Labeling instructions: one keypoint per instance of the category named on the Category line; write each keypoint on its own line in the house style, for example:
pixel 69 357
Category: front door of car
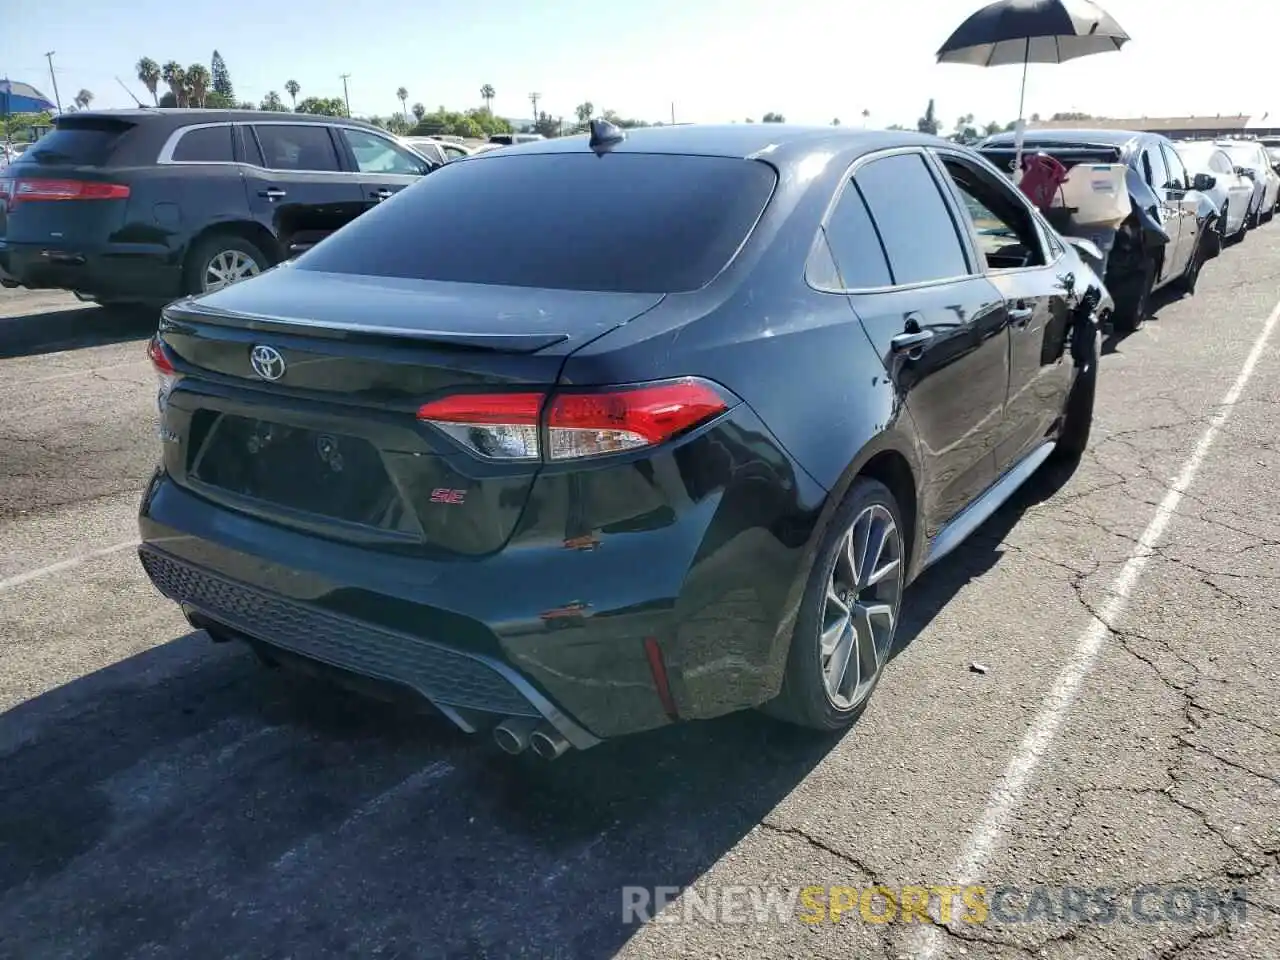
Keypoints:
pixel 1008 237
pixel 1179 192
pixel 1156 174
pixel 296 185
pixel 937 324
pixel 385 167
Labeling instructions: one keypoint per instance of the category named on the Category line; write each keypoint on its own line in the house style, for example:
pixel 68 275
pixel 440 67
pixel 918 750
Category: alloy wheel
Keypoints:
pixel 860 610
pixel 228 267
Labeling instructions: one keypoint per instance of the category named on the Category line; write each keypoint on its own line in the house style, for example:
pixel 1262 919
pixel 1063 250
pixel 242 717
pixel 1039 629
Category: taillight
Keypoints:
pixel 166 375
pixel 27 190
pixel 575 423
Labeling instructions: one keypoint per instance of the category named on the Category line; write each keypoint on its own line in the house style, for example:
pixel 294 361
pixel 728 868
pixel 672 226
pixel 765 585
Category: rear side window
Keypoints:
pixel 204 145
pixel 855 245
pixel 917 230
pixel 297 147
pixel 86 143
pixel 629 223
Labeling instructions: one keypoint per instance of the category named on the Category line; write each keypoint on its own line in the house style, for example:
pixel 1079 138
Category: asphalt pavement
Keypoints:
pixel 1081 712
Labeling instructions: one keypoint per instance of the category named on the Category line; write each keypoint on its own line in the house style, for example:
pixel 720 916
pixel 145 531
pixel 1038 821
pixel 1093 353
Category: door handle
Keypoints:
pixel 272 193
pixel 383 194
pixel 911 342
pixel 1021 316
pixel 1021 312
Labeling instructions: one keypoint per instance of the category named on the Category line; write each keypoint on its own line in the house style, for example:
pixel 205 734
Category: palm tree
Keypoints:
pixel 487 94
pixel 403 96
pixel 866 115
pixel 83 99
pixel 198 82
pixel 419 111
pixel 149 75
pixel 176 78
pixel 291 88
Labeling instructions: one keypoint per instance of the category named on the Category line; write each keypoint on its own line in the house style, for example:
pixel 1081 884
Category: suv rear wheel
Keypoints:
pixel 222 259
pixel 849 614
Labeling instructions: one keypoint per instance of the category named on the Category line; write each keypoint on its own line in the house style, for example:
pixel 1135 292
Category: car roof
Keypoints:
pixel 182 116
pixel 1114 138
pixel 778 142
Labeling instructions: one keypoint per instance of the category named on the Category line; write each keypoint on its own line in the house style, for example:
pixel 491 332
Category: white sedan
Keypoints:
pixel 1232 193
pixel 1250 157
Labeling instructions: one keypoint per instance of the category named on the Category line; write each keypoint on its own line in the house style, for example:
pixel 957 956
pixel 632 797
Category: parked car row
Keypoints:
pixel 1186 199
pixel 147 205
pixel 570 471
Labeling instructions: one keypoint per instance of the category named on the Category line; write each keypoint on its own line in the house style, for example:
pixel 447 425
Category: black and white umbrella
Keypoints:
pixel 1032 31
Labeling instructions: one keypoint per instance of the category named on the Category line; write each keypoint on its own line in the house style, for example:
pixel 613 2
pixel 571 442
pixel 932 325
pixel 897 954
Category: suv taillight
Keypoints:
pixel 576 423
pixel 35 189
pixel 166 375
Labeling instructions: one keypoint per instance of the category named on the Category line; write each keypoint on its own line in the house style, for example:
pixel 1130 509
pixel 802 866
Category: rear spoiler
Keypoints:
pixel 185 314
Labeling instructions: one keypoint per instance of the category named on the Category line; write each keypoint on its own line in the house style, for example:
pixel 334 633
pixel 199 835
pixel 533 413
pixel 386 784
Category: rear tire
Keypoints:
pixel 221 259
pixel 850 609
pixel 1133 299
pixel 1077 422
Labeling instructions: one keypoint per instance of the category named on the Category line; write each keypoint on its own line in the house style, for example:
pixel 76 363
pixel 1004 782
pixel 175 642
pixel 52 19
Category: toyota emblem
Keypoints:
pixel 267 362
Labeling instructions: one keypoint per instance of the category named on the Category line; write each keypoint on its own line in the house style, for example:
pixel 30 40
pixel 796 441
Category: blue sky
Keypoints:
pixel 811 60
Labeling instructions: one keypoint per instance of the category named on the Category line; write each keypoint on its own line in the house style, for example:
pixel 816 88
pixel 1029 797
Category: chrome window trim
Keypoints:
pixel 165 157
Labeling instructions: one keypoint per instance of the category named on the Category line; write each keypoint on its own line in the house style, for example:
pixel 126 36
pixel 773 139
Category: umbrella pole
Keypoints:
pixel 1021 125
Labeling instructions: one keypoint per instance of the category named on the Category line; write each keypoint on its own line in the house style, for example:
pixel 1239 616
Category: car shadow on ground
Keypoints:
pixel 189 797
pixel 50 331
pixel 1112 338
pixel 978 554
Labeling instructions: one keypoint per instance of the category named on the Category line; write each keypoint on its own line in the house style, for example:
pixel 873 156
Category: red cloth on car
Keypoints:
pixel 1041 177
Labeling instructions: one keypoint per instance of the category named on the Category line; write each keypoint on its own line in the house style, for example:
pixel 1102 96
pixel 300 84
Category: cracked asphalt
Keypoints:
pixel 162 796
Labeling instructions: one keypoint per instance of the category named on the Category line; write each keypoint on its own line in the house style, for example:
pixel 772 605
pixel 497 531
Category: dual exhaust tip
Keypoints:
pixel 517 734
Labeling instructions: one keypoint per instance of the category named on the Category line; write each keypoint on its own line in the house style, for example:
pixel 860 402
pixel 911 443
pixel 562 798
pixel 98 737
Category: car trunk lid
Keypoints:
pixel 325 436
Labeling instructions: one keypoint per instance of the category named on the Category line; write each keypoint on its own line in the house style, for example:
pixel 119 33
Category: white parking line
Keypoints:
pixel 1010 791
pixel 21 578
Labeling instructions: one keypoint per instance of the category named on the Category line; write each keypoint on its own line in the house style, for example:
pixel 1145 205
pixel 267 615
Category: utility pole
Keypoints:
pixel 346 97
pixel 57 99
pixel 673 113
pixel 533 99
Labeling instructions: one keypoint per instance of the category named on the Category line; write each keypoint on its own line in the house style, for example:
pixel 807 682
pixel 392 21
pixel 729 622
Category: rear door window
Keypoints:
pixel 915 225
pixel 87 143
pixel 205 145
pixel 1153 169
pixel 297 147
pixel 1178 179
pixel 855 245
pixel 624 222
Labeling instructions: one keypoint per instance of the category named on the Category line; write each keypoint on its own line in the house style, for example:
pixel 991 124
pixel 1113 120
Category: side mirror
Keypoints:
pixel 1242 172
pixel 1203 182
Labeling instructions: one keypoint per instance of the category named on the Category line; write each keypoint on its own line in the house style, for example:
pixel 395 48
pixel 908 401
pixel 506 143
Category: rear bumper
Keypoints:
pixel 456 682
pixel 549 626
pixel 107 271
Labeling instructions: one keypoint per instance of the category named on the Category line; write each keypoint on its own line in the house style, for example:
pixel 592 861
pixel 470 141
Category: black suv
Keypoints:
pixel 147 205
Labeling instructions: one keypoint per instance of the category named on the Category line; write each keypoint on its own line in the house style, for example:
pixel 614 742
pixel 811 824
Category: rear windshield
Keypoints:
pixel 83 143
pixel 629 223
